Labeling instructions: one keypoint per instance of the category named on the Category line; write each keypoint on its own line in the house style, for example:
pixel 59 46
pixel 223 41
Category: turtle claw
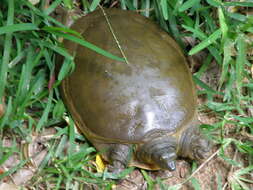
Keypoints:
pixel 116 167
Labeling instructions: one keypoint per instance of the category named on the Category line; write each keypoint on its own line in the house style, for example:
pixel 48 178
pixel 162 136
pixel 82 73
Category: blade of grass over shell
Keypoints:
pixel 88 45
pixel 211 39
pixel 7 50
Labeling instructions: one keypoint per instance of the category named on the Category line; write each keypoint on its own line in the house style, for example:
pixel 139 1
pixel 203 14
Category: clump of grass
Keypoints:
pixel 29 44
pixel 29 87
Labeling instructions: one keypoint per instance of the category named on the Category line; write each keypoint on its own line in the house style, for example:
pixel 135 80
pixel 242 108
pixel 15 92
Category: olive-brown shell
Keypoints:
pixel 118 102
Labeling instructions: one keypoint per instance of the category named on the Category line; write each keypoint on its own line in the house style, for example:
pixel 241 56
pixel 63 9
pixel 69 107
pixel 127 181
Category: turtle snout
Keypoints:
pixel 167 161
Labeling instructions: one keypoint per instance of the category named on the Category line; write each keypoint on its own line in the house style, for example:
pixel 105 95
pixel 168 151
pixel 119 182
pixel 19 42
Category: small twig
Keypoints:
pixel 114 36
pixel 225 185
pixel 200 167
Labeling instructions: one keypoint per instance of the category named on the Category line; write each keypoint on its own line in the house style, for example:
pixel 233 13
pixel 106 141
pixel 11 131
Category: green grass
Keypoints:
pixel 28 45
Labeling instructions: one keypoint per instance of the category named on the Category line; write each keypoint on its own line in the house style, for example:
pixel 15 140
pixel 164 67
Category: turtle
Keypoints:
pixel 142 112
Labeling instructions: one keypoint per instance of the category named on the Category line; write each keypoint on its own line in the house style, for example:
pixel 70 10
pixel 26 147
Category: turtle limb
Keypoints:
pixel 193 144
pixel 118 155
pixel 160 151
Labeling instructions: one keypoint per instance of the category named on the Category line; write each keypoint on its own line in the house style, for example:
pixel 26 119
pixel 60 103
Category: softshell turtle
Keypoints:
pixel 147 105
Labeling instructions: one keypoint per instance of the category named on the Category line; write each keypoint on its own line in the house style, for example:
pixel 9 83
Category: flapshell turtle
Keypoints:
pixel 147 105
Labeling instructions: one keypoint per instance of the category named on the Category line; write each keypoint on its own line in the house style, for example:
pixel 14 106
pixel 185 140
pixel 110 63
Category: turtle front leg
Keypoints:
pixel 118 155
pixel 193 144
pixel 160 151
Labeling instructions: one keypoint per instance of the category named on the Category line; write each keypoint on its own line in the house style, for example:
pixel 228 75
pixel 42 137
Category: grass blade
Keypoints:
pixel 240 61
pixel 94 4
pixel 17 27
pixel 7 50
pixel 187 5
pixel 44 117
pixel 164 6
pixel 240 4
pixel 223 24
pixel 211 39
pixel 88 45
pixel 52 7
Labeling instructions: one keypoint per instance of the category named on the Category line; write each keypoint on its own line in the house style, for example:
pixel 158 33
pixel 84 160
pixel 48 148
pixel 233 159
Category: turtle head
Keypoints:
pixel 160 152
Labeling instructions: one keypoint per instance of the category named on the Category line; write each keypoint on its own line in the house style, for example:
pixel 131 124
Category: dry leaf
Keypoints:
pixel 99 164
